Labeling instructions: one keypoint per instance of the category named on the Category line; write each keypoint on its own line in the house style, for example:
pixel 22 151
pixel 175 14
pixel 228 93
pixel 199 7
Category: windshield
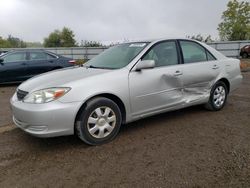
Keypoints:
pixel 117 57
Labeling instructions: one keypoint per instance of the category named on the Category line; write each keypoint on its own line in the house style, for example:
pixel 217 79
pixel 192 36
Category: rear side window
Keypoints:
pixel 40 56
pixel 192 52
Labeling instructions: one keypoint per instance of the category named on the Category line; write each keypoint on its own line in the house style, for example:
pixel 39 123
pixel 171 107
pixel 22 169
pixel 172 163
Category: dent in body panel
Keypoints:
pixel 196 93
pixel 171 81
pixel 198 79
pixel 166 81
pixel 199 91
pixel 154 89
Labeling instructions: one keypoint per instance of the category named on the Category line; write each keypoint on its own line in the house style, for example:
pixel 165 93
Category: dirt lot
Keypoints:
pixel 186 148
pixel 245 64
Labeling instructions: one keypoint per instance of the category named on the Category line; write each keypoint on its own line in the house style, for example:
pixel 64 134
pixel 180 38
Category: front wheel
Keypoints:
pixel 218 97
pixel 99 122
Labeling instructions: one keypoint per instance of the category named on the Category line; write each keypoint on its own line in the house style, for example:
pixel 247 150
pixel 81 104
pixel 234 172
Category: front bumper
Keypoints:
pixel 45 120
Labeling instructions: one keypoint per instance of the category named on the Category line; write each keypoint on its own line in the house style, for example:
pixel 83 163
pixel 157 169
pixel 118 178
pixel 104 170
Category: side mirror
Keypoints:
pixel 145 64
pixel 1 61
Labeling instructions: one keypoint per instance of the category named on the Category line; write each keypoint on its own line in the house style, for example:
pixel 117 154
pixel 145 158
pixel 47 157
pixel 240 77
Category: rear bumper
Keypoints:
pixel 45 120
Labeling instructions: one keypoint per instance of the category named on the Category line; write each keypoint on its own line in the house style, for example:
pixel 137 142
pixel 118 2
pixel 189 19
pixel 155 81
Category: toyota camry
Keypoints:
pixel 125 83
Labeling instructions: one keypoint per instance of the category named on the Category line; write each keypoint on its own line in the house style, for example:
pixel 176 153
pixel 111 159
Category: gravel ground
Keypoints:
pixel 191 147
pixel 5 113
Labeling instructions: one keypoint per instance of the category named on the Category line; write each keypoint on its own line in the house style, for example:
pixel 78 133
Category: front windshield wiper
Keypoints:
pixel 94 67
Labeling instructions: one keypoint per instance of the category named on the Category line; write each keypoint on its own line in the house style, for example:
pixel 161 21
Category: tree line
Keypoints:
pixel 12 42
pixel 235 25
pixel 58 38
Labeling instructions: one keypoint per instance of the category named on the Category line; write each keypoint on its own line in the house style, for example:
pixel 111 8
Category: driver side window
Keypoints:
pixel 164 54
pixel 14 57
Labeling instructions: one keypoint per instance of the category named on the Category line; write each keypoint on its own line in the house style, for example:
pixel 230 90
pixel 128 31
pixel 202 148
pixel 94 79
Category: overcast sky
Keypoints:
pixel 110 20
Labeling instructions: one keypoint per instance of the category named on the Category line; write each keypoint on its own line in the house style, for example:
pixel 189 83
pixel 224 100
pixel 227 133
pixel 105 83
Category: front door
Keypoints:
pixel 156 89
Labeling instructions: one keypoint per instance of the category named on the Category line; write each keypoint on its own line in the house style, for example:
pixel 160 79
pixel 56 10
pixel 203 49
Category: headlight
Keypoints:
pixel 46 95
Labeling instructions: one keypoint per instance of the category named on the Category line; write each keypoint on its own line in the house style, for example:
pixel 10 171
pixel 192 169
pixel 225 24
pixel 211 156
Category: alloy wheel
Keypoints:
pixel 219 96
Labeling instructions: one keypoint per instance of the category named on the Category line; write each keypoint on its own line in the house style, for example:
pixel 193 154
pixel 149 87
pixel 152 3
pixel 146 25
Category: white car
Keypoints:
pixel 124 83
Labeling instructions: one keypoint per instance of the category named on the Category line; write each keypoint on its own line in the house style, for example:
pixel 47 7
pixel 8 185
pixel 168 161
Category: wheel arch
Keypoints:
pixel 112 97
pixel 226 82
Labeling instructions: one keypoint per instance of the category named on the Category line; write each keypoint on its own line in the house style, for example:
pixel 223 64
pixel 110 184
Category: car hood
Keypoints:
pixel 59 78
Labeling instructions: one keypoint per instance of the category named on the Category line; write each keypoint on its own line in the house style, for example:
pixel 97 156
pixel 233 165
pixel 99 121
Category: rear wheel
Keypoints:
pixel 99 122
pixel 218 97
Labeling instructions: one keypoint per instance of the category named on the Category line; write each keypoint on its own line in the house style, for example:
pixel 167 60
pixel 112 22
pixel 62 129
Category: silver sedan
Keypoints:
pixel 124 83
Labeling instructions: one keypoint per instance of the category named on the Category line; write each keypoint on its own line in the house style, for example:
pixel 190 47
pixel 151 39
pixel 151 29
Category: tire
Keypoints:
pixel 244 55
pixel 99 122
pixel 218 97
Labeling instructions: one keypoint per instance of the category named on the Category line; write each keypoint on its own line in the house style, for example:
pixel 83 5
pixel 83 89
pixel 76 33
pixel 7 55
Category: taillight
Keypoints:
pixel 72 62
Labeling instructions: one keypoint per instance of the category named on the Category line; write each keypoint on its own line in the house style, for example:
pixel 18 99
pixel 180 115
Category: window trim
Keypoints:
pixel 192 41
pixel 207 52
pixel 50 53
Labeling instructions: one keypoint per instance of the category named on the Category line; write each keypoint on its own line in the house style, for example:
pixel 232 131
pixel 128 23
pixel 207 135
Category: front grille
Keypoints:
pixel 21 94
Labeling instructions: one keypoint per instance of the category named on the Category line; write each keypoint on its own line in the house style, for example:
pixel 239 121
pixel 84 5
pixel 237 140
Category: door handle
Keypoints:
pixel 215 67
pixel 177 73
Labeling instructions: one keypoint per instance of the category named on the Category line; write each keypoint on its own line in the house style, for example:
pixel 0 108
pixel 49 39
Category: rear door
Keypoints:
pixel 14 67
pixel 40 62
pixel 199 71
pixel 156 89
